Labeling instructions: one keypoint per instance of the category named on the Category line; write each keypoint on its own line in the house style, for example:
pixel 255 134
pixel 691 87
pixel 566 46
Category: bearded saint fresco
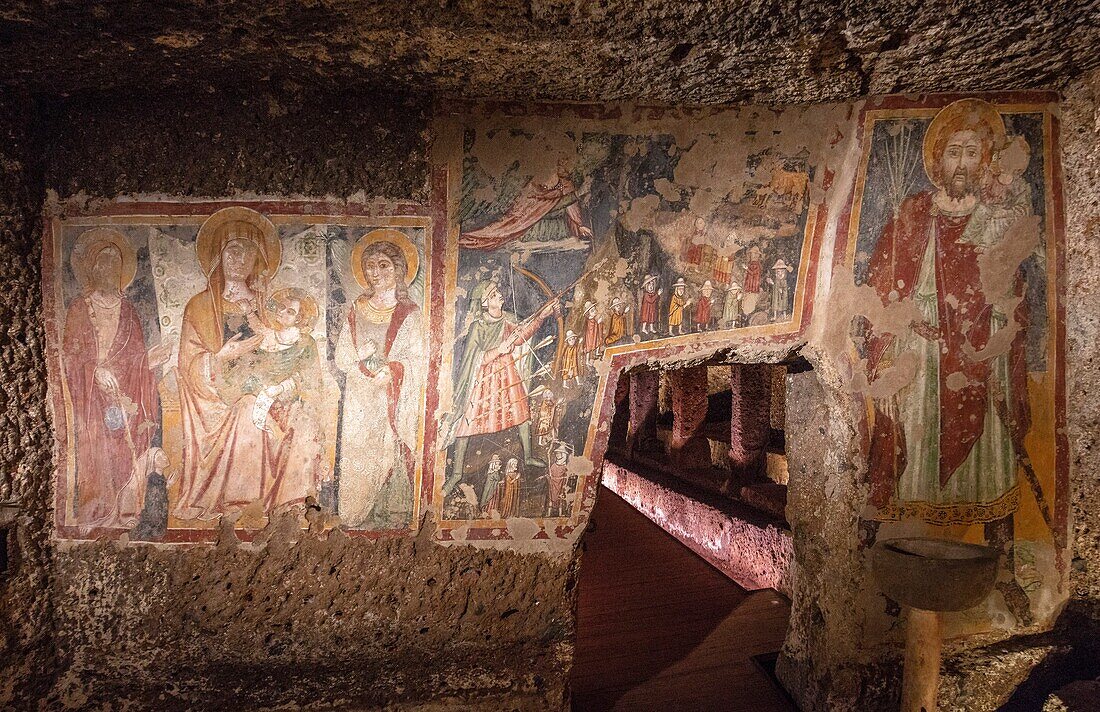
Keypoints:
pixel 948 448
pixel 109 375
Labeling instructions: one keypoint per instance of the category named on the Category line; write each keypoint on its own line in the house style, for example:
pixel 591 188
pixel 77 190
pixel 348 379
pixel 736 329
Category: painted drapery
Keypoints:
pixel 208 371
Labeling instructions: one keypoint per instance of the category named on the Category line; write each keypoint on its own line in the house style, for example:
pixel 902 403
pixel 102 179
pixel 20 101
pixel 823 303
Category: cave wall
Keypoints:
pixel 26 625
pixel 296 613
pixel 1081 111
pixel 496 618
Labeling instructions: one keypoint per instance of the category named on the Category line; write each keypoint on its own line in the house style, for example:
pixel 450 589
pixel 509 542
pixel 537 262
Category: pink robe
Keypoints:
pixel 104 459
pixel 648 314
pixel 497 398
pixel 529 208
pixel 228 462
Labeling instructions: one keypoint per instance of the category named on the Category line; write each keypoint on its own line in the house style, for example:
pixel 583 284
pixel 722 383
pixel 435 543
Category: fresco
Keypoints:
pixel 573 240
pixel 954 235
pixel 230 362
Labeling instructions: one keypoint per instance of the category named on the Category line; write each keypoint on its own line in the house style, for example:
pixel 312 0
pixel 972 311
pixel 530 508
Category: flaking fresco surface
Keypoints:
pixel 956 233
pixel 568 219
pixel 237 362
pixel 582 234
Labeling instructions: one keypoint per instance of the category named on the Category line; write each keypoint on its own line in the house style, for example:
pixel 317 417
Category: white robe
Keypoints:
pixel 369 448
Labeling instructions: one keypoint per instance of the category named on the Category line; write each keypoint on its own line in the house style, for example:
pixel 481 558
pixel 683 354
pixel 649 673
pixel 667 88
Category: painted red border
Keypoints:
pixel 121 208
pixel 1056 225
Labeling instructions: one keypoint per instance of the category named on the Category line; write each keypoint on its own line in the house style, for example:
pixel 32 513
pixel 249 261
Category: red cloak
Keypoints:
pixel 649 307
pixel 964 318
pixel 104 459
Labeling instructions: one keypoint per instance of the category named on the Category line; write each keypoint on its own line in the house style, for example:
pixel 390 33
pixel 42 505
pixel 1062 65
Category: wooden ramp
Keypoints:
pixel 658 628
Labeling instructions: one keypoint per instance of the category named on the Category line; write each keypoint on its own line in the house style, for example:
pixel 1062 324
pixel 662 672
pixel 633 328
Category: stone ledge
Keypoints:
pixel 751 547
pixel 770 497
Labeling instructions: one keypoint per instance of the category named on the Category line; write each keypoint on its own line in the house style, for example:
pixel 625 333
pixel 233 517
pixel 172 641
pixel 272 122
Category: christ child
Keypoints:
pixel 286 362
pixel 1005 195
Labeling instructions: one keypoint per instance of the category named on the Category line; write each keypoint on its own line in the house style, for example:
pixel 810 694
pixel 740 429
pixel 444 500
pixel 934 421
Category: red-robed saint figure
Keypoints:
pixel 108 372
pixel 944 448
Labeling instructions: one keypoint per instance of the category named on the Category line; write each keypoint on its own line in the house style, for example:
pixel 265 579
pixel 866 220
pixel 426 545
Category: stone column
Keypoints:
pixel 750 421
pixel 620 421
pixel 690 449
pixel 828 663
pixel 642 401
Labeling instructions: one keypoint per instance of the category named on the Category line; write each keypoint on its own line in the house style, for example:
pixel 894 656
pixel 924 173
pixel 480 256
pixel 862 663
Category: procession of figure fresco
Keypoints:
pixel 228 367
pixel 954 236
pixel 551 276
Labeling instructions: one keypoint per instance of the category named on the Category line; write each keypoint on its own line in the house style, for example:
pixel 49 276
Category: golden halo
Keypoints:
pixel 90 243
pixel 308 312
pixel 211 240
pixel 956 116
pixel 386 234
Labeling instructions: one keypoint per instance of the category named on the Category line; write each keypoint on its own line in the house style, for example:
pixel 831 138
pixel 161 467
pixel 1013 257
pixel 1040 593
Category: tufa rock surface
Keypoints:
pixel 664 51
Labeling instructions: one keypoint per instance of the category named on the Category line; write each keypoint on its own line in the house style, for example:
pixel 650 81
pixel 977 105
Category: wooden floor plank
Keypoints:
pixel 659 629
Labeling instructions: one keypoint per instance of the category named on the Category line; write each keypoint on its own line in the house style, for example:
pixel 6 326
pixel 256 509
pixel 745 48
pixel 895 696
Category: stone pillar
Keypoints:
pixel 620 421
pixel 642 401
pixel 690 449
pixel 750 421
pixel 832 659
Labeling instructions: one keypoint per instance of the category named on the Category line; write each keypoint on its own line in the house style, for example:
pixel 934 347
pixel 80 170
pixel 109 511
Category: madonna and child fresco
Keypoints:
pixel 228 366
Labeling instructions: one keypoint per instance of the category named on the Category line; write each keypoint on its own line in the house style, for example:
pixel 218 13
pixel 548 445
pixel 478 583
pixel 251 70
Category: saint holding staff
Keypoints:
pixel 108 373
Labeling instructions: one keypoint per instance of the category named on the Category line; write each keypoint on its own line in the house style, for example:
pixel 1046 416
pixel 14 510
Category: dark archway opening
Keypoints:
pixel 684 568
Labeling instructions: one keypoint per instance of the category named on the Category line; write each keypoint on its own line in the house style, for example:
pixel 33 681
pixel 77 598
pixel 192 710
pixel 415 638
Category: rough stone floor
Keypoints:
pixel 658 628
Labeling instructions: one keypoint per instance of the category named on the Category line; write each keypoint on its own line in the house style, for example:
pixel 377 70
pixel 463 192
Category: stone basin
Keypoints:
pixel 934 574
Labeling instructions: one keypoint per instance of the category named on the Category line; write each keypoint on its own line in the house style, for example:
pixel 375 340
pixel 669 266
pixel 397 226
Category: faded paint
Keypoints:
pixel 309 370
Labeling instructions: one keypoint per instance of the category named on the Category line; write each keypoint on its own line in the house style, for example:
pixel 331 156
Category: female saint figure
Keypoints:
pixel 381 350
pixel 108 374
pixel 231 458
